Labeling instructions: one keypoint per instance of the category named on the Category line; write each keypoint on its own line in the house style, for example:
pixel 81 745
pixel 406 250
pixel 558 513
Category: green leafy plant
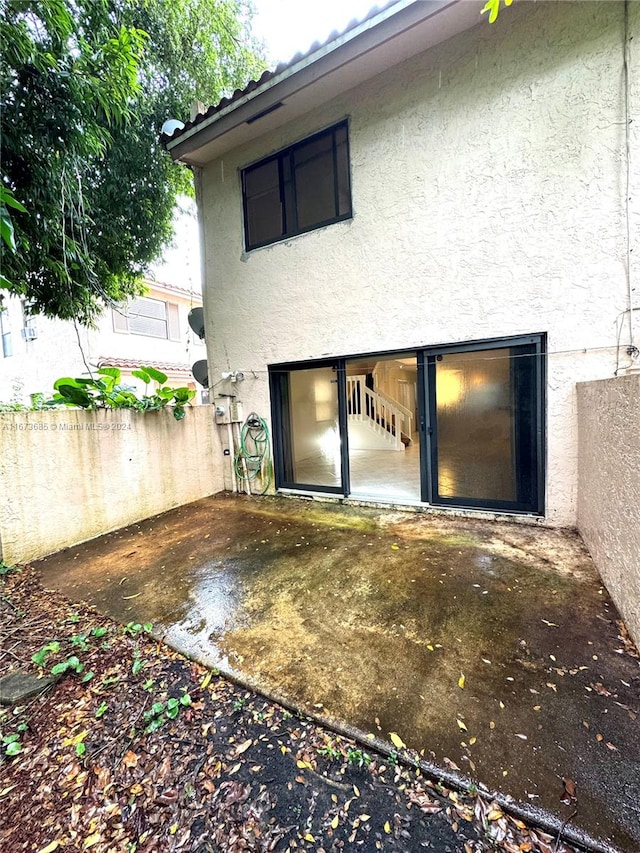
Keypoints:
pixel 76 645
pixel 331 752
pixel 138 662
pixel 6 569
pixel 134 628
pixel 160 712
pixel 102 710
pixel 12 744
pixel 72 663
pixel 358 758
pixel 40 657
pixel 106 391
pixel 80 640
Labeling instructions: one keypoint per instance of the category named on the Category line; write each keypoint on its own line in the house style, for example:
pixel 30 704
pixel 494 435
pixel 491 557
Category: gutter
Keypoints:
pixel 309 70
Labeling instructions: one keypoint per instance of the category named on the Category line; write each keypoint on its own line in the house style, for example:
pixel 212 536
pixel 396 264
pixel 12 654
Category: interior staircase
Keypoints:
pixel 376 421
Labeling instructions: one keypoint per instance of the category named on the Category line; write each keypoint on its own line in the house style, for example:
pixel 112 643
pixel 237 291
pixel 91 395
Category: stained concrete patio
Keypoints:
pixel 490 648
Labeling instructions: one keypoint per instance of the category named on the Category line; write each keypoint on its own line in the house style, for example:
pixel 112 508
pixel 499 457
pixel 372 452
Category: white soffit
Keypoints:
pixel 378 43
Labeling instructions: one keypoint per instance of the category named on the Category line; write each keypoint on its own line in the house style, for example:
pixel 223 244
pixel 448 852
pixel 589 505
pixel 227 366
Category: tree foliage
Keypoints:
pixel 86 86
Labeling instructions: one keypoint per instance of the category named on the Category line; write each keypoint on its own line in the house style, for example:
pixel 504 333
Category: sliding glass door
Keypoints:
pixel 307 414
pixel 459 425
pixel 485 427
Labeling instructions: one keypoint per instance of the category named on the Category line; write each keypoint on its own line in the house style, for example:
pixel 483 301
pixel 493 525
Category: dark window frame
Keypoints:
pixel 289 191
pixel 425 354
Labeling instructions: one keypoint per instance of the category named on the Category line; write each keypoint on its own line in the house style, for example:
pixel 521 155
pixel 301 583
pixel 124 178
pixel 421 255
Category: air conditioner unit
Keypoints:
pixel 29 333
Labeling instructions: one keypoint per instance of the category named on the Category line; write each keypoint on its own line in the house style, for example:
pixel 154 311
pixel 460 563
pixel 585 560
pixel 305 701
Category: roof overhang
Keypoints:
pixel 381 41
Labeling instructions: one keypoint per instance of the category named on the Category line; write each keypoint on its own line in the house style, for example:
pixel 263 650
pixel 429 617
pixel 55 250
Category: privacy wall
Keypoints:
pixel 67 476
pixel 609 487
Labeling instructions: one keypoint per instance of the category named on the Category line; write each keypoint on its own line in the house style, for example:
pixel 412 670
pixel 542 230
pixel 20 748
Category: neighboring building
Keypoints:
pixel 151 330
pixel 418 238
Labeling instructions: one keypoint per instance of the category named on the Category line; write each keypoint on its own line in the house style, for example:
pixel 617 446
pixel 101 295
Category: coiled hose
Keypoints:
pixel 252 460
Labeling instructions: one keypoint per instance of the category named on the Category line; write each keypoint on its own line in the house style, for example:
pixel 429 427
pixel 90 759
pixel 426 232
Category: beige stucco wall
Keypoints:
pixel 609 487
pixel 488 181
pixel 67 476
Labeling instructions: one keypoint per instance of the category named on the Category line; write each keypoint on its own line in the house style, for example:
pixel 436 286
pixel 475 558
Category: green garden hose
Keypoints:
pixel 252 460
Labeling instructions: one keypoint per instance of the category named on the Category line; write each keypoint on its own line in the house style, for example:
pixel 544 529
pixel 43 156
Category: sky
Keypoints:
pixel 289 26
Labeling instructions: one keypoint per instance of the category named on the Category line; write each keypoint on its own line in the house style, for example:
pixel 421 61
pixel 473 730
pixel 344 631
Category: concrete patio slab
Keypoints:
pixel 490 648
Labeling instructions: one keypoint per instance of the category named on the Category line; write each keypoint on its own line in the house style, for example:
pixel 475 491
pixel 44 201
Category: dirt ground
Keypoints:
pixel 136 748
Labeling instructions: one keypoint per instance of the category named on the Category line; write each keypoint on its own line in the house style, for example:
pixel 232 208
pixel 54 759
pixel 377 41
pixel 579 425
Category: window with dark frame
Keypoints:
pixel 301 188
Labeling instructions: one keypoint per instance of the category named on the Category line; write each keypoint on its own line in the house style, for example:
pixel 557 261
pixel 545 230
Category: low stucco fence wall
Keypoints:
pixel 609 487
pixel 67 476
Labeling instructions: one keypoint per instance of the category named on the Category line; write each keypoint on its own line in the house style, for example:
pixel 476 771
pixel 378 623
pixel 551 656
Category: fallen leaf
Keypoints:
pixel 243 747
pixel 395 547
pixel 461 681
pixel 397 741
pixel 205 681
pixel 462 726
pixel 609 745
pixel 569 794
pixel 50 847
pixel 522 737
pixel 387 827
pixel 5 791
pixel 167 798
pixel 90 840
pixel 309 837
pixel 356 790
pixel 136 789
pixel 130 759
pixel 335 822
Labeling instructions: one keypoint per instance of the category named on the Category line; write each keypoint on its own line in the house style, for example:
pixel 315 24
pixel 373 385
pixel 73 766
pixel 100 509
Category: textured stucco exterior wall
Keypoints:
pixel 488 182
pixel 609 487
pixel 67 476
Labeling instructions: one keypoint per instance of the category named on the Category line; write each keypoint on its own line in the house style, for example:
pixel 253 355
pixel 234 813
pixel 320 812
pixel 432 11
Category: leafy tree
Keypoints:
pixel 86 86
